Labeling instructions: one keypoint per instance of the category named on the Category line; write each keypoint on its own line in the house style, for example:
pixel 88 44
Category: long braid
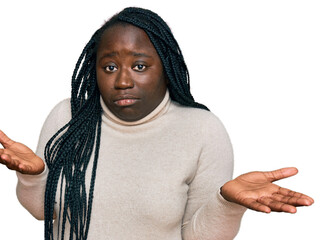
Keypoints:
pixel 168 49
pixel 69 151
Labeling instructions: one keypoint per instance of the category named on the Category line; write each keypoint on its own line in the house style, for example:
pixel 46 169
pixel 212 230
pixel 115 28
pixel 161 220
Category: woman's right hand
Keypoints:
pixel 17 156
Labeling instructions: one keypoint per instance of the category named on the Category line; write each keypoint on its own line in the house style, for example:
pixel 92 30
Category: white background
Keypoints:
pixel 255 64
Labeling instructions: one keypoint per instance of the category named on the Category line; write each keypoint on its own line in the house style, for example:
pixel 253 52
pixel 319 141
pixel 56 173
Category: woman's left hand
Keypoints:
pixel 256 191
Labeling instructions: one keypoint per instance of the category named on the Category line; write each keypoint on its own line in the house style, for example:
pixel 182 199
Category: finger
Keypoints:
pixel 4 158
pixel 5 155
pixel 5 140
pixel 294 201
pixel 12 164
pixel 302 198
pixel 280 174
pixel 24 169
pixel 30 168
pixel 277 206
pixel 1 153
pixel 254 205
pixel 17 166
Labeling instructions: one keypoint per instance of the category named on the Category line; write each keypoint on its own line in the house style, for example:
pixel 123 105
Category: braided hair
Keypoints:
pixel 69 152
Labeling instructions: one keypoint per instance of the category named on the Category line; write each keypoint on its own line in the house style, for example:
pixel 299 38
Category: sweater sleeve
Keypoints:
pixel 208 215
pixel 31 188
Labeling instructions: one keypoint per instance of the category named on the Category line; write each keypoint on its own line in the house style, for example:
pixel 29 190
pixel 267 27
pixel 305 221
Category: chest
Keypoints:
pixel 144 178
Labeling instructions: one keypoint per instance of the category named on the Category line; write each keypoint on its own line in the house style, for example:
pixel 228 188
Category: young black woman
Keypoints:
pixel 159 162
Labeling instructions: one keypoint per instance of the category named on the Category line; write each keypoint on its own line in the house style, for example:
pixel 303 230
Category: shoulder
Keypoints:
pixel 199 125
pixel 59 115
pixel 195 117
pixel 57 118
pixel 61 111
pixel 62 107
pixel 207 133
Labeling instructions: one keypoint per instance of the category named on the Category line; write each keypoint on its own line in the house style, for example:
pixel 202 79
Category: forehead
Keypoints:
pixel 125 36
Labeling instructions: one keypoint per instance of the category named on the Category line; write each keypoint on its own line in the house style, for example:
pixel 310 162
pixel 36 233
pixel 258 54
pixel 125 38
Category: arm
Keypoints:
pixel 18 157
pixel 214 214
pixel 208 215
pixel 31 188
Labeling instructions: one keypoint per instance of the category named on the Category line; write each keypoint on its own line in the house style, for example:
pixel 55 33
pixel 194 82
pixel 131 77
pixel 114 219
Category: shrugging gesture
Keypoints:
pixel 255 190
pixel 19 157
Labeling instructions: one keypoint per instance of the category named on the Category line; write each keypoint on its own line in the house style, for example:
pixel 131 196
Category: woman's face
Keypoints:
pixel 129 71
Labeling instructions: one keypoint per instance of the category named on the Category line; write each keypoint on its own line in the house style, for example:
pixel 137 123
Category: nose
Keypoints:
pixel 123 80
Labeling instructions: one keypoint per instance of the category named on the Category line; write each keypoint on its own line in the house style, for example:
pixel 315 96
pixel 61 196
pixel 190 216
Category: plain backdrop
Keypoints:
pixel 255 64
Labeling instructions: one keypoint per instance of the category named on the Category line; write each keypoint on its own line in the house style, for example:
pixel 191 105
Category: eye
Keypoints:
pixel 110 68
pixel 139 67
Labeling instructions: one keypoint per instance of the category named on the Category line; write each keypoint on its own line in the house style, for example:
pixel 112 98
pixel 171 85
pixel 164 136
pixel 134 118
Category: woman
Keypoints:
pixel 131 155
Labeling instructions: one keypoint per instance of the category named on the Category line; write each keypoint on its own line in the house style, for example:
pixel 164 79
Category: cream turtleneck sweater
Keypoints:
pixel 157 178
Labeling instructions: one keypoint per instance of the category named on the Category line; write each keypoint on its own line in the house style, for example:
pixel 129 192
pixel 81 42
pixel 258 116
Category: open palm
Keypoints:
pixel 255 190
pixel 17 156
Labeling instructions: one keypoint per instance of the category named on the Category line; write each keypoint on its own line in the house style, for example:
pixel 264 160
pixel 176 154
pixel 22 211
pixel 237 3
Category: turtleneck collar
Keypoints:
pixel 158 111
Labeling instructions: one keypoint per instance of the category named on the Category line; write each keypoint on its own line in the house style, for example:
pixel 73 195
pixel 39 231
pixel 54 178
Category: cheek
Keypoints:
pixel 162 84
pixel 103 83
pixel 157 90
pixel 159 81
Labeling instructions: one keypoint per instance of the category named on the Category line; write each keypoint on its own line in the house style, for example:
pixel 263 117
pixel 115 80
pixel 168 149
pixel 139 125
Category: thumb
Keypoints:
pixel 281 173
pixel 5 141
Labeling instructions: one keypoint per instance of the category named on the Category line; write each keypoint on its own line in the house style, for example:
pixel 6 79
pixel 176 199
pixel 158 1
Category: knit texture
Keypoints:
pixel 157 178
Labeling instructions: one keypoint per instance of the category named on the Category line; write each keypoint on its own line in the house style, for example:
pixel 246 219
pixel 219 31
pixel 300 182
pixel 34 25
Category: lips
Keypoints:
pixel 125 100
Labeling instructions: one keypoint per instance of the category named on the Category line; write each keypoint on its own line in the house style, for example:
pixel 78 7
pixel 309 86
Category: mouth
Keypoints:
pixel 125 100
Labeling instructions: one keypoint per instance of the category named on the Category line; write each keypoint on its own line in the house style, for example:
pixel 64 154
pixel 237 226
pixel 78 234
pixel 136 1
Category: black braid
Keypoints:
pixel 69 151
pixel 168 49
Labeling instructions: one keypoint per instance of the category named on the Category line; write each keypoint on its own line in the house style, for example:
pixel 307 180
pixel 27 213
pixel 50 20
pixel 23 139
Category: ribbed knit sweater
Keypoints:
pixel 157 178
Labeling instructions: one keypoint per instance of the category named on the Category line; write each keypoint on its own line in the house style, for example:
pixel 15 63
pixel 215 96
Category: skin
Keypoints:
pixel 256 191
pixel 129 71
pixel 17 156
pixel 132 83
